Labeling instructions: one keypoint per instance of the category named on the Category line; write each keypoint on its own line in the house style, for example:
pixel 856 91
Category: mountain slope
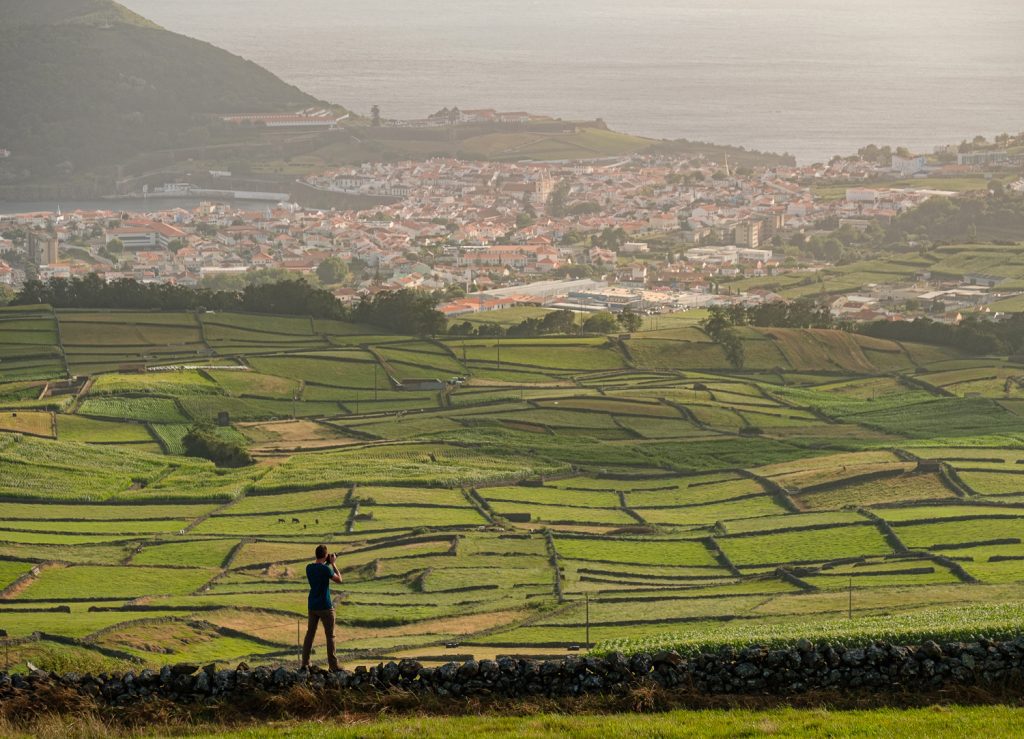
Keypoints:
pixel 58 12
pixel 89 82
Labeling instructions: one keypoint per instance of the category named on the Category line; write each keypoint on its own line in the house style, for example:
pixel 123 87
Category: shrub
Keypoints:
pixel 204 442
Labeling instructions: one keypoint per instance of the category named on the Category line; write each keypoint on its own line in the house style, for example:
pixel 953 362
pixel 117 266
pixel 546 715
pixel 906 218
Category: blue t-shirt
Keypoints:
pixel 319 576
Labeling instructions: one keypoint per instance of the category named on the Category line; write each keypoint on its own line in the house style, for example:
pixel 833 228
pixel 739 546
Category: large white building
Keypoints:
pixel 145 235
pixel 726 254
pixel 907 166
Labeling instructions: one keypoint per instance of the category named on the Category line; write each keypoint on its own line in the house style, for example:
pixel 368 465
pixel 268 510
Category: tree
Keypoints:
pixel 558 322
pixel 732 345
pixel 716 322
pixel 611 238
pixel 492 329
pixel 556 200
pixel 203 441
pixel 332 271
pixel 601 323
pixel 375 116
pixel 461 329
pixel 630 320
pixel 115 246
pixel 405 311
pixel 358 266
pixel 175 245
pixel 6 295
pixel 524 329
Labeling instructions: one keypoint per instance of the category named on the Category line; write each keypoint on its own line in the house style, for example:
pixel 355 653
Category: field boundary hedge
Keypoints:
pixel 781 495
pixel 888 532
pixel 842 482
pixel 720 556
pixel 555 561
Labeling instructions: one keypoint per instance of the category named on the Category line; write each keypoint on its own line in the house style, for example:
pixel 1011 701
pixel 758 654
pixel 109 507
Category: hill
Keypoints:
pixel 631 472
pixel 68 12
pixel 87 82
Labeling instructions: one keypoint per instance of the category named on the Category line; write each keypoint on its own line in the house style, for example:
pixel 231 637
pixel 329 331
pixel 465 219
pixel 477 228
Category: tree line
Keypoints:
pixel 555 323
pixel 973 335
pixel 722 321
pixel 404 311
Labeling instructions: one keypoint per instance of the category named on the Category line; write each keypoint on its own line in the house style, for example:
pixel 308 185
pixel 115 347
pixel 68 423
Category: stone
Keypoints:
pixel 853 657
pixel 182 669
pixel 931 650
pixel 668 657
pixel 282 677
pixel 747 670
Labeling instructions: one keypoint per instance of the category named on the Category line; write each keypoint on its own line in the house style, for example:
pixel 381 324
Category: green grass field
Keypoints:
pixel 939 722
pixel 574 469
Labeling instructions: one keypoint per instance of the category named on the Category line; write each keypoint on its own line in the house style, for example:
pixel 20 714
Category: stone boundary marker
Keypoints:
pixel 752 670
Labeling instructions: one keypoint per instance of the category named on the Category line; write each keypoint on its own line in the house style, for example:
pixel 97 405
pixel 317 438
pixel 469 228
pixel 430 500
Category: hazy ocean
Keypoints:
pixel 812 77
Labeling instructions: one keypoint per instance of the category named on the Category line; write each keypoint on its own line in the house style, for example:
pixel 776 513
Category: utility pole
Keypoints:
pixel 851 597
pixel 375 368
pixel 587 596
pixel 499 352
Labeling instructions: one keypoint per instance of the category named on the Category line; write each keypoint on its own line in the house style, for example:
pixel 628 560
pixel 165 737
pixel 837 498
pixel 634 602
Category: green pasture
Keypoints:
pixel 725 504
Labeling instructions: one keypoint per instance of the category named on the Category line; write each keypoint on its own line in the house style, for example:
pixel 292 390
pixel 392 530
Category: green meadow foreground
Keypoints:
pixel 839 487
pixel 938 722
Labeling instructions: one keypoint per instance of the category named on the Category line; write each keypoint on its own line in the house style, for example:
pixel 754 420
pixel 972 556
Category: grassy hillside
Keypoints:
pixel 587 143
pixel 65 12
pixel 637 472
pixel 88 82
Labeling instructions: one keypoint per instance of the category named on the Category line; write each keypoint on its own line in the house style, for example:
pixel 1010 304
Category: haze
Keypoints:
pixel 813 77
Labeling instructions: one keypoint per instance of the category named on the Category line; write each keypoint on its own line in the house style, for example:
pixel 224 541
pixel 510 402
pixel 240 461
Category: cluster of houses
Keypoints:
pixel 478 226
pixel 946 301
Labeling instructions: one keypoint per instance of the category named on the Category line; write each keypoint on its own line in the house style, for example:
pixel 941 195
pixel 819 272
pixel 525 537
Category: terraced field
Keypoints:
pixel 639 485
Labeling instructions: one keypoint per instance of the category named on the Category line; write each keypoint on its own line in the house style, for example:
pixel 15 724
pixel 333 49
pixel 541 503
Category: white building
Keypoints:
pixel 907 166
pixel 861 195
pixel 726 254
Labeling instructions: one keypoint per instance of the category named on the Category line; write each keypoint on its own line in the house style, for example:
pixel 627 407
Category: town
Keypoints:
pixel 647 233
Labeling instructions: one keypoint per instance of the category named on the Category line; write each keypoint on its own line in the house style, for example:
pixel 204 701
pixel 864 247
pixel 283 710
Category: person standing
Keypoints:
pixel 320 575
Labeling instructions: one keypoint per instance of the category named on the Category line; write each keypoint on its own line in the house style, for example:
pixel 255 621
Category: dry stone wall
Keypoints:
pixel 754 670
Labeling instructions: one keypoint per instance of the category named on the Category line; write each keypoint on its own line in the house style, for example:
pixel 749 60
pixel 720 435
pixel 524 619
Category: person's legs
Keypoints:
pixel 307 645
pixel 328 618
